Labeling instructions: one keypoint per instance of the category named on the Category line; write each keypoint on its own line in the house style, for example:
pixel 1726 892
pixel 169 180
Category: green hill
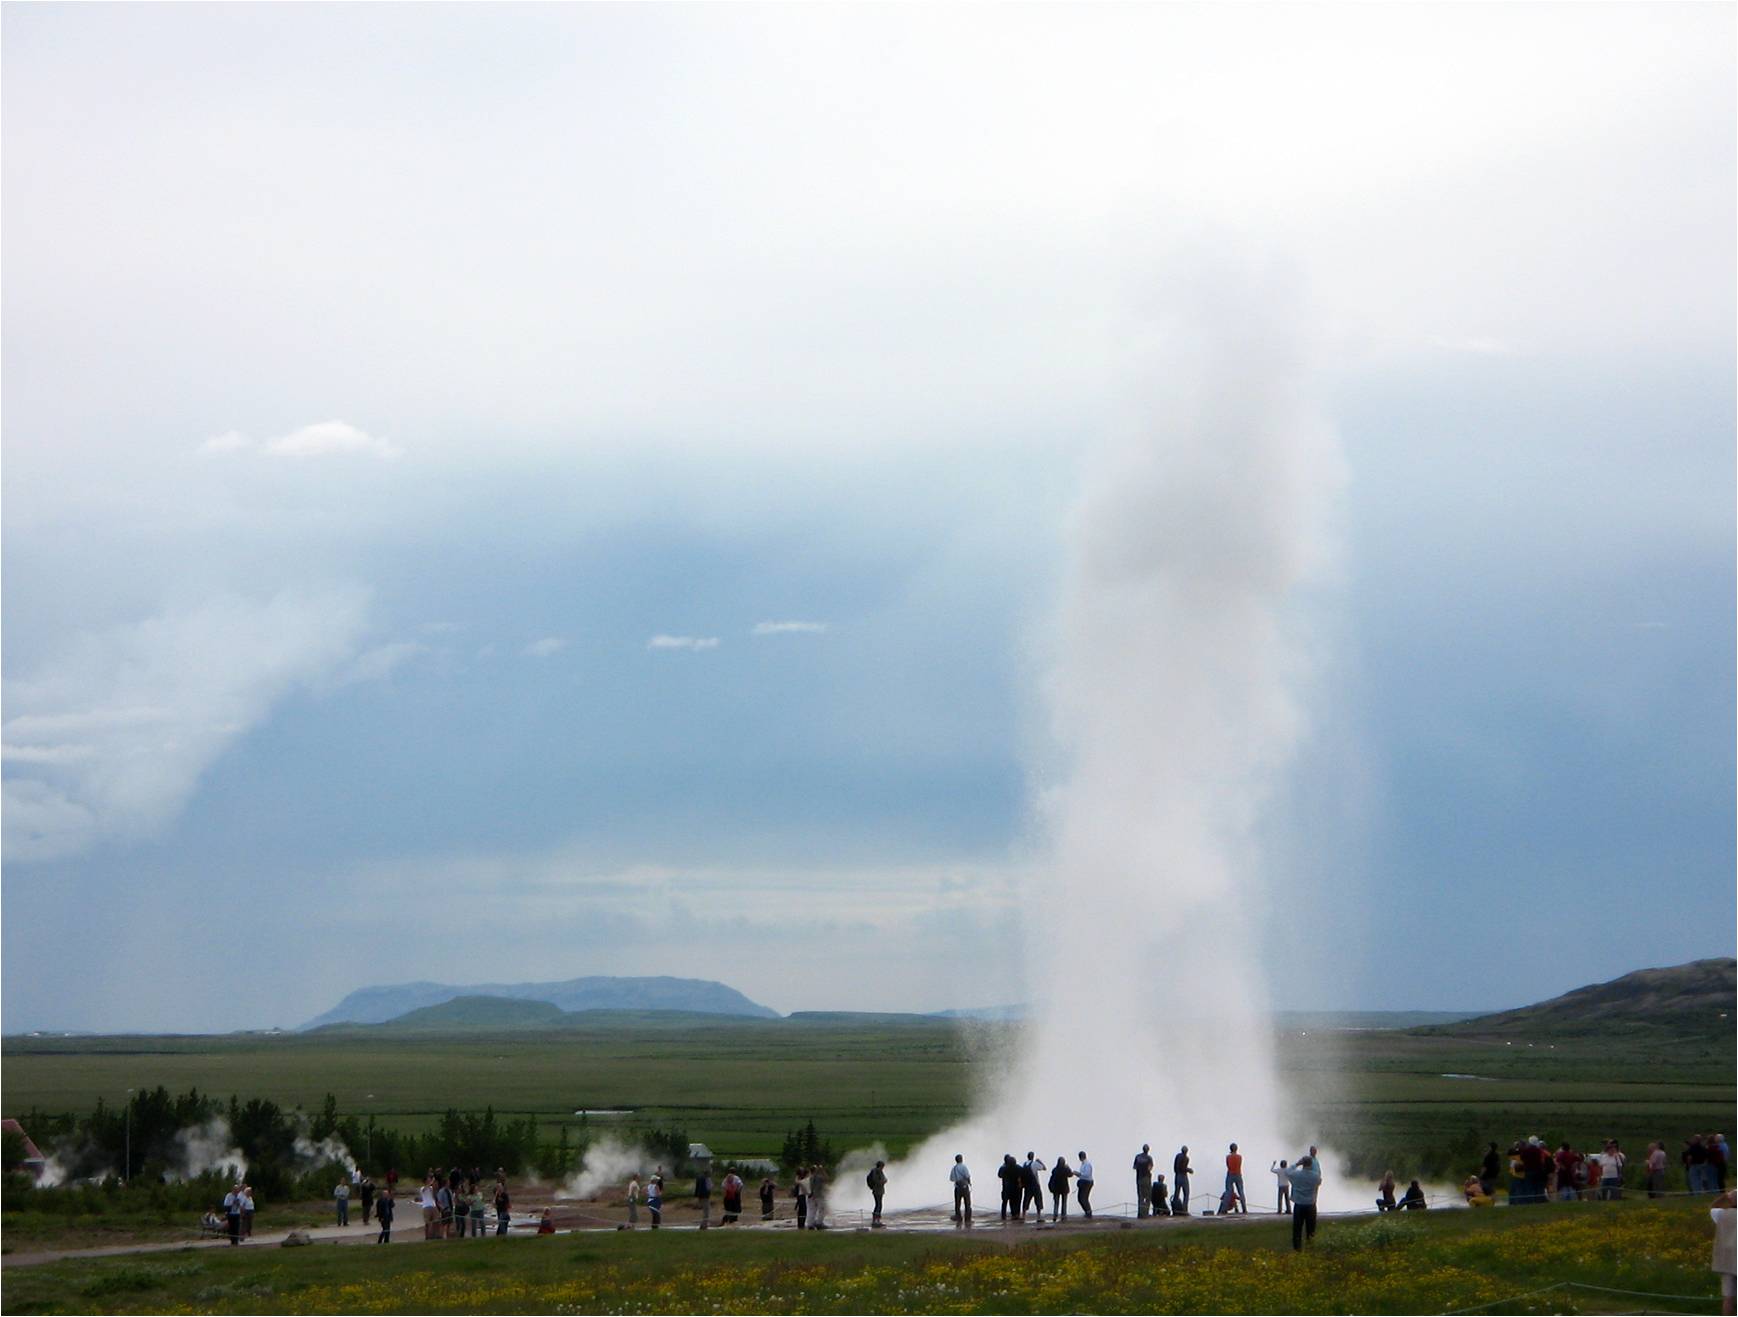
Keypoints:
pixel 479 1013
pixel 1693 1001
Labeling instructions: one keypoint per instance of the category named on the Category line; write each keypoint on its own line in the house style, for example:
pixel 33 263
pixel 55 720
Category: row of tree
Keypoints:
pixel 173 1146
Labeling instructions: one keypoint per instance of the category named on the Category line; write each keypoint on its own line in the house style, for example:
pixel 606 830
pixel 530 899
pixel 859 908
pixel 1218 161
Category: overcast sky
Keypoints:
pixel 518 492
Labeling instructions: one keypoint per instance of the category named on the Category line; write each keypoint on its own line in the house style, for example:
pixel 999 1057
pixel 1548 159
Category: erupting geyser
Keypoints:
pixel 1174 706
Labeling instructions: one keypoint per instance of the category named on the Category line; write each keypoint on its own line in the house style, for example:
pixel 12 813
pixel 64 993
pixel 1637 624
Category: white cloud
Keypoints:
pixel 46 754
pixel 229 441
pixel 379 663
pixel 330 439
pixel 109 740
pixel 788 628
pixel 1475 345
pixel 542 648
pixel 682 642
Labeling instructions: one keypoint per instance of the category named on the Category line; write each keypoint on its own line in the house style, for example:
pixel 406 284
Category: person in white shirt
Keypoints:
pixel 341 1195
pixel 961 1179
pixel 1725 1264
pixel 633 1201
pixel 1279 1170
pixel 1083 1186
pixel 1610 1164
pixel 232 1214
pixel 430 1208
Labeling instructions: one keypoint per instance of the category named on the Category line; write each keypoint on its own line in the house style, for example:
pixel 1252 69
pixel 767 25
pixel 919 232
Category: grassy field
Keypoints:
pixel 1431 1262
pixel 739 1085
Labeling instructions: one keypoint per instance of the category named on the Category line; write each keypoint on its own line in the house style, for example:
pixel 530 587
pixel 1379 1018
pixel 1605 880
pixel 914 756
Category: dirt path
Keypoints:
pixel 602 1218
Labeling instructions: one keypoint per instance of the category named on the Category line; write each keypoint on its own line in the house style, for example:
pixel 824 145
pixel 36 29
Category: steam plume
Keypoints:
pixel 1173 696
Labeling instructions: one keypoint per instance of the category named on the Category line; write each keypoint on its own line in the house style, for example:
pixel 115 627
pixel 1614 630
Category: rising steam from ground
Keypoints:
pixel 209 1147
pixel 325 1152
pixel 1173 699
pixel 607 1164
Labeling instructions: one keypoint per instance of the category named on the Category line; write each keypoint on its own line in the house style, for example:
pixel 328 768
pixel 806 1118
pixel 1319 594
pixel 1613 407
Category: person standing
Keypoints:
pixel 1032 1187
pixel 1060 1174
pixel 817 1197
pixel 1306 1181
pixel 961 1179
pixel 247 1210
pixel 1234 1178
pixel 383 1211
pixel 1610 1172
pixel 801 1189
pixel 1567 1162
pixel 232 1214
pixel 1491 1170
pixel 1013 1178
pixel 633 1201
pixel 877 1180
pixel 1083 1186
pixel 732 1197
pixel 1695 1159
pixel 703 1197
pixel 1725 1263
pixel 1143 1181
pixel 503 1207
pixel 429 1201
pixel 341 1195
pixel 1279 1173
pixel 453 1210
pixel 1656 1169
pixel 768 1190
pixel 655 1200
pixel 366 1192
pixel 479 1207
pixel 1180 1172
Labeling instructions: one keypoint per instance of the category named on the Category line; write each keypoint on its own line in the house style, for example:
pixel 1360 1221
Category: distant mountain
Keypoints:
pixel 1360 1021
pixel 377 1005
pixel 984 1013
pixel 1696 1000
pixel 480 1013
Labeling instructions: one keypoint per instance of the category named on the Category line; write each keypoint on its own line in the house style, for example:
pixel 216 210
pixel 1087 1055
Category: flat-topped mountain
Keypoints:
pixel 1689 1001
pixel 377 1005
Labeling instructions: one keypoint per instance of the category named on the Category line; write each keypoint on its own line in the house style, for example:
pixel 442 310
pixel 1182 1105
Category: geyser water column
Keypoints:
pixel 1173 695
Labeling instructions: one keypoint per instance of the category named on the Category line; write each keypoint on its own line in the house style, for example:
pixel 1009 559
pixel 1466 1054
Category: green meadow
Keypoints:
pixel 1498 1260
pixel 739 1085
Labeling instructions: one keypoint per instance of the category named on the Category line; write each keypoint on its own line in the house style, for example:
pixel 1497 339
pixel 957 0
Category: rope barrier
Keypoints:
pixel 1644 1294
pixel 1583 1285
pixel 1513 1298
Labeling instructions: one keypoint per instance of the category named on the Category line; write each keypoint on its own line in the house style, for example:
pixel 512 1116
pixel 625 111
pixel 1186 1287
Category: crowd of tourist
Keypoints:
pixel 1022 1184
pixel 1536 1174
pixel 455 1205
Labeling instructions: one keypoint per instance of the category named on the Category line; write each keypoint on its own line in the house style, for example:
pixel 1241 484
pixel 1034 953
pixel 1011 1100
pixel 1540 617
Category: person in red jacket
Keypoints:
pixel 1234 1178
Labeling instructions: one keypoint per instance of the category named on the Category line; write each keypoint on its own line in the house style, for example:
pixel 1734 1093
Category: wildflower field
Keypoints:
pixel 1431 1262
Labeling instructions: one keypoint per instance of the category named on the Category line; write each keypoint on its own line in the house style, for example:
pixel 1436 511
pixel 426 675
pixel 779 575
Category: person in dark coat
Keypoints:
pixel 383 1211
pixel 1013 1180
pixel 1032 1192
